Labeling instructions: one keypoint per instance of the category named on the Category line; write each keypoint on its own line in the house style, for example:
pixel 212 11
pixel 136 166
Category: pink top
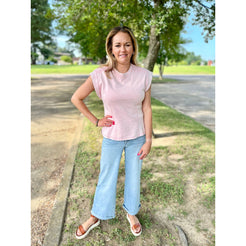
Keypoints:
pixel 122 96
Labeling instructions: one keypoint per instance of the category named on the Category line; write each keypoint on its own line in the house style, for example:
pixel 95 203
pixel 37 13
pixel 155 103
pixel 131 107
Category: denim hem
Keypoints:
pixel 101 217
pixel 134 213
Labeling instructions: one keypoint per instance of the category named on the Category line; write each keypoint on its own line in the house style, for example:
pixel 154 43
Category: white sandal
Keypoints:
pixel 85 233
pixel 135 226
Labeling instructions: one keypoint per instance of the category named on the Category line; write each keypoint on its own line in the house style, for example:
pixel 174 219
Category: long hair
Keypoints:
pixel 111 62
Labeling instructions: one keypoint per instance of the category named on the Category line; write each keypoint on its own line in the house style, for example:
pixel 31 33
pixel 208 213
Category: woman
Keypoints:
pixel 125 90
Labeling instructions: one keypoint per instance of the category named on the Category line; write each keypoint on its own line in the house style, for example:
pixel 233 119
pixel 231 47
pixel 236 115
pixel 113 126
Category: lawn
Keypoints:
pixel 187 70
pixel 67 69
pixel 177 184
pixel 86 69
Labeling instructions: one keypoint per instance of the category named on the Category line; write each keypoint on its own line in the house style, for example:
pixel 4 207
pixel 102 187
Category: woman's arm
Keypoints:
pixel 147 115
pixel 77 99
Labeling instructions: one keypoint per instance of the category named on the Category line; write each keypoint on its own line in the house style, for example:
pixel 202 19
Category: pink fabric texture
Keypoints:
pixel 122 96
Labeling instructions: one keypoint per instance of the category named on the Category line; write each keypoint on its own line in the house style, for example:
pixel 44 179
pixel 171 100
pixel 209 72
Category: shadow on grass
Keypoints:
pixel 170 134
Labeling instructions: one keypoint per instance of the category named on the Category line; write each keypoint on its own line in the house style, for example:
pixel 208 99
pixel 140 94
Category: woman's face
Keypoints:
pixel 122 48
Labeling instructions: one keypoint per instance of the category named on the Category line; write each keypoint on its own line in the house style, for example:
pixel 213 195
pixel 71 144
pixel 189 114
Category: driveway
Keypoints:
pixel 54 121
pixel 192 95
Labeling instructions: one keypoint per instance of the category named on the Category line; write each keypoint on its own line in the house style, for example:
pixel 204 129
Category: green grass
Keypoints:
pixel 165 192
pixel 207 189
pixel 86 69
pixel 195 146
pixel 186 70
pixel 66 69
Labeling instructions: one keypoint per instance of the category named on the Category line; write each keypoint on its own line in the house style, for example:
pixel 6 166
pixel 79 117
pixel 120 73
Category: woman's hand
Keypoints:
pixel 144 151
pixel 106 122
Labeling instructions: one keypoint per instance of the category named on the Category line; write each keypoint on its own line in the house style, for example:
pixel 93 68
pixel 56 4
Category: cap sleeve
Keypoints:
pixel 97 82
pixel 148 80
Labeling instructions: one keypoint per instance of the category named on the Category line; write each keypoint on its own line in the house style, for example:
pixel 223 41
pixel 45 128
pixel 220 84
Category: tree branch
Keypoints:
pixel 199 2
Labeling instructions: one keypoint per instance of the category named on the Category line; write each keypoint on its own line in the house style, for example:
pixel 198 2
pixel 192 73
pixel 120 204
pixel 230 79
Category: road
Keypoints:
pixel 191 95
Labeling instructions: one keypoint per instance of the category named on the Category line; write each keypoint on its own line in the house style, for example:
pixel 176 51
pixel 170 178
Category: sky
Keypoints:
pixel 198 45
pixel 194 33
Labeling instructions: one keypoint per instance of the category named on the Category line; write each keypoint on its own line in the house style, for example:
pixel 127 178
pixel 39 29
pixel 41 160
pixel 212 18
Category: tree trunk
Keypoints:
pixel 154 47
pixel 154 43
pixel 160 70
pixel 103 60
pixel 33 58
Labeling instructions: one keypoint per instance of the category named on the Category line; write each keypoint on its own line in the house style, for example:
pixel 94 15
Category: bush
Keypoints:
pixel 183 62
pixel 67 59
pixel 34 55
pixel 196 63
pixel 52 59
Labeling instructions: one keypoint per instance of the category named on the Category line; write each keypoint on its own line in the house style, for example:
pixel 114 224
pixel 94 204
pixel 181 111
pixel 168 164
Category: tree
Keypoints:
pixel 41 20
pixel 204 12
pixel 167 23
pixel 191 58
pixel 205 17
pixel 171 53
pixel 88 22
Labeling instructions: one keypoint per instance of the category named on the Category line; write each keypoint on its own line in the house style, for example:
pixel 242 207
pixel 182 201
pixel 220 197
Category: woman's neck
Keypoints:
pixel 122 68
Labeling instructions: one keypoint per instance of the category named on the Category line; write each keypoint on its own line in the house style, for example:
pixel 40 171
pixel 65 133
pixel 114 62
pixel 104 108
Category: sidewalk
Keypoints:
pixel 54 121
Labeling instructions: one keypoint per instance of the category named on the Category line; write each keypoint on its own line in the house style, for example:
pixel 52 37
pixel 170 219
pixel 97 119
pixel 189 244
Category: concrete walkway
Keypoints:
pixel 192 95
pixel 54 122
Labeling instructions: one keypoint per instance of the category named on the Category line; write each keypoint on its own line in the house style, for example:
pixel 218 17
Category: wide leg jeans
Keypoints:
pixel 105 195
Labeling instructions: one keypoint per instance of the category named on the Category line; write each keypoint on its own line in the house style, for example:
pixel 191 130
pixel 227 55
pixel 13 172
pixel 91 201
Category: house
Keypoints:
pixel 87 60
pixel 77 60
pixel 210 63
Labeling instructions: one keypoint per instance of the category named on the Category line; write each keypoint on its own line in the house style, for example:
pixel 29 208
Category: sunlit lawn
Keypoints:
pixel 86 69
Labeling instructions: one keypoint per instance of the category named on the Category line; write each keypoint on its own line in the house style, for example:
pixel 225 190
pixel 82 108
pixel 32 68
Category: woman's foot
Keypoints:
pixel 135 226
pixel 84 229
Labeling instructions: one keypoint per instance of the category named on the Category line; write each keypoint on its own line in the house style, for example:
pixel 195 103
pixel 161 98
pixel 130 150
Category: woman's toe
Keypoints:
pixel 138 229
pixel 78 232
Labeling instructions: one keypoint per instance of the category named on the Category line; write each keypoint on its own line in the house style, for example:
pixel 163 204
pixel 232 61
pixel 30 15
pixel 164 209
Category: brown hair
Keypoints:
pixel 111 62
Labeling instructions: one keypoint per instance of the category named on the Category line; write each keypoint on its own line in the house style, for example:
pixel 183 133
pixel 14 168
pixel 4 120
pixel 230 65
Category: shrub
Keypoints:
pixel 52 59
pixel 66 59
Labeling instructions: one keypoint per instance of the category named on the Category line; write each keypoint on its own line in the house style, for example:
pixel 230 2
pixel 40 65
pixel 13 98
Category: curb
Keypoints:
pixel 55 226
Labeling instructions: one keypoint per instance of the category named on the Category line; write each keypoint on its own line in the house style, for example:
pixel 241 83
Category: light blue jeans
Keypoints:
pixel 105 195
